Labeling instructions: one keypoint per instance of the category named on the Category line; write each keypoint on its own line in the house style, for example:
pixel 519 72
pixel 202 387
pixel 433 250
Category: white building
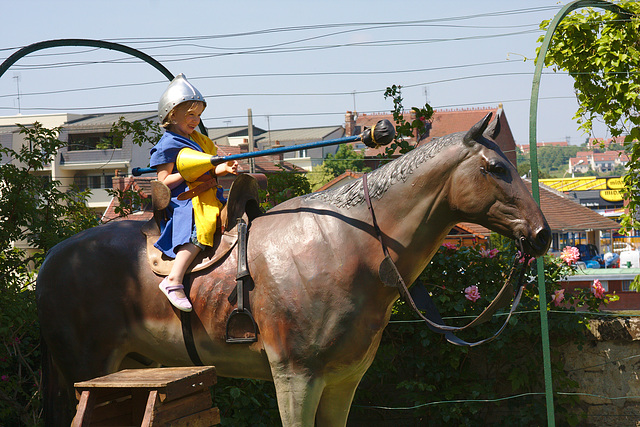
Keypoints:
pixel 81 162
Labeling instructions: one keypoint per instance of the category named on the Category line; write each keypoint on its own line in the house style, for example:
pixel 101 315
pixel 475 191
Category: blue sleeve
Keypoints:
pixel 167 149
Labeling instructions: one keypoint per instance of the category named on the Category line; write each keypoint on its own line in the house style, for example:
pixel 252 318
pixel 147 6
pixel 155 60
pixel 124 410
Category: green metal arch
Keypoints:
pixel 535 189
pixel 90 43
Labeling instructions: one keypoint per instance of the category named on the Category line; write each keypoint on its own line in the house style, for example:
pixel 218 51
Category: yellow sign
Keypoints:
pixel 576 184
pixel 611 195
pixel 615 183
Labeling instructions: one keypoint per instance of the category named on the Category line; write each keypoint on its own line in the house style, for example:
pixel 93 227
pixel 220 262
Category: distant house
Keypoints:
pixel 525 148
pixel 599 162
pixel 91 158
pixel 599 143
pixel 443 122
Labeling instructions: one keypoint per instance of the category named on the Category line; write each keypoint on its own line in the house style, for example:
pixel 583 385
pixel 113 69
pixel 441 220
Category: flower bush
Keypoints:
pixel 578 298
pixel 416 368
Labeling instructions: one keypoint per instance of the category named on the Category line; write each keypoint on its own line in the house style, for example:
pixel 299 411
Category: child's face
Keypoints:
pixel 185 119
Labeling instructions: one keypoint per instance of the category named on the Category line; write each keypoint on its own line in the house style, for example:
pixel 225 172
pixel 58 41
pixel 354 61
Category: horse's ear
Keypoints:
pixel 493 130
pixel 477 130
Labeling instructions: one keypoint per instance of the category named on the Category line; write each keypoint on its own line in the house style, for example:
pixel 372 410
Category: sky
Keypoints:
pixel 293 63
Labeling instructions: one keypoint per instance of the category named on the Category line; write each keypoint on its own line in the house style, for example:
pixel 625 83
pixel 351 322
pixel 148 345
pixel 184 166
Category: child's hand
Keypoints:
pixel 225 168
pixel 232 166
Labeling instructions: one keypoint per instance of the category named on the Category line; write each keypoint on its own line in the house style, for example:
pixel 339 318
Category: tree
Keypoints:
pixel 601 51
pixel 346 158
pixel 282 186
pixel 32 210
pixel 405 129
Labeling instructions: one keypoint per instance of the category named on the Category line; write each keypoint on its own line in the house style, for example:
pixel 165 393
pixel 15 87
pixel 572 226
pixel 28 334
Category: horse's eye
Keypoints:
pixel 498 169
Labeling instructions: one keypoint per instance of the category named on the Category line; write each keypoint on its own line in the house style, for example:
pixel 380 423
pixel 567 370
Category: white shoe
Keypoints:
pixel 175 294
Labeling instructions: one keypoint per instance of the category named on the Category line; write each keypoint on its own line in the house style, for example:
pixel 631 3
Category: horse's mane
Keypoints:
pixel 381 179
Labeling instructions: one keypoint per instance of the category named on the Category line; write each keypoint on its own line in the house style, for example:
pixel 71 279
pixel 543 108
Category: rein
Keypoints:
pixel 391 277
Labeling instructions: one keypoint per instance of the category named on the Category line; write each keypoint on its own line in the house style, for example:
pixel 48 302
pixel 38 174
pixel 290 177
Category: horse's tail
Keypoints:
pixel 57 408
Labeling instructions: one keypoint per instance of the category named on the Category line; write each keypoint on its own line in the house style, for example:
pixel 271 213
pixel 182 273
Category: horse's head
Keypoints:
pixel 486 189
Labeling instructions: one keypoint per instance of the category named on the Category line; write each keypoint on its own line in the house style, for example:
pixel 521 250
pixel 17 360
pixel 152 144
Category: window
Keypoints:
pixel 93 141
pixel 95 182
pixel 626 286
pixel 80 181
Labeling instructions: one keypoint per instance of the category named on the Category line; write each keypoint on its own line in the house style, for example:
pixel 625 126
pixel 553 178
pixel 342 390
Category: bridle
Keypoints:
pixel 391 277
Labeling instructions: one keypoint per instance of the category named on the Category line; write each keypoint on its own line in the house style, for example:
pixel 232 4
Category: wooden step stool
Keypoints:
pixel 148 397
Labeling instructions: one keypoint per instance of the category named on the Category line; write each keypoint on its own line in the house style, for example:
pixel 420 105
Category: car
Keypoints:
pixel 590 256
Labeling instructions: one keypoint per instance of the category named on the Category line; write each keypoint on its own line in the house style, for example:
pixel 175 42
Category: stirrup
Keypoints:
pixel 241 318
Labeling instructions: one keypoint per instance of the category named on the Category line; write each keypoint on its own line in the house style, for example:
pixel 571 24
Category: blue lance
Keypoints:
pixel 191 163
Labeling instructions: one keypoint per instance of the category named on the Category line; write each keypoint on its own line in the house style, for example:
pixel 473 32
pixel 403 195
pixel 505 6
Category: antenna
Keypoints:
pixel 17 77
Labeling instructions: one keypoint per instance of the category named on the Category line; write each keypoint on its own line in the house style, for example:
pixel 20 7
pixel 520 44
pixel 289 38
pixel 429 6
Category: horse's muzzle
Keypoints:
pixel 539 242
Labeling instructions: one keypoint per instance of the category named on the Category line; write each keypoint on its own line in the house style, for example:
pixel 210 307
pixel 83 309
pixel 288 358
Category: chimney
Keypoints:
pixel 280 155
pixel 350 123
pixel 118 182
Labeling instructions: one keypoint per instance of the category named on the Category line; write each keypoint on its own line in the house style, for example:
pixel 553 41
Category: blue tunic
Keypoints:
pixel 177 229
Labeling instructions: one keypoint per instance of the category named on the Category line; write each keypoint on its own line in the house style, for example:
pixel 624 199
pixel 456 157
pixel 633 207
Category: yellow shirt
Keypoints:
pixel 206 206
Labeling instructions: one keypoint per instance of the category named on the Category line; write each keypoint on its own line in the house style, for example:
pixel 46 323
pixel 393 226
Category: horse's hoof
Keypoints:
pixel 173 292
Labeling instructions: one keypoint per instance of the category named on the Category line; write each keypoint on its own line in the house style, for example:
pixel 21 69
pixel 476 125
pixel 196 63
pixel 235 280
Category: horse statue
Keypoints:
pixel 318 300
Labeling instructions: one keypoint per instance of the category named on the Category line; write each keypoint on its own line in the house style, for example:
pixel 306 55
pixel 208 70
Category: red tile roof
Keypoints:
pixel 445 122
pixel 140 184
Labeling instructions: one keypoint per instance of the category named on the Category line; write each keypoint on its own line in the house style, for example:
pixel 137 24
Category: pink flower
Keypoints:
pixel 471 293
pixel 4 378
pixel 570 254
pixel 488 253
pixel 558 297
pixel 597 289
pixel 521 258
pixel 450 246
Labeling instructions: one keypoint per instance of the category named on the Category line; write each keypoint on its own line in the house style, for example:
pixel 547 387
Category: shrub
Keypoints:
pixel 440 383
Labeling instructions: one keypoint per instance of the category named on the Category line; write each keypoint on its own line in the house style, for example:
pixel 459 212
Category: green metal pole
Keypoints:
pixel 535 189
pixel 91 43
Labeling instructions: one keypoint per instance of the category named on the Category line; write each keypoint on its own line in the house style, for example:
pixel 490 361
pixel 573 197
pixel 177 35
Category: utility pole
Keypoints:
pixel 252 163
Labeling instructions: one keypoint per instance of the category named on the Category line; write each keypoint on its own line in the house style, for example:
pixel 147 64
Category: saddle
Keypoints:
pixel 243 203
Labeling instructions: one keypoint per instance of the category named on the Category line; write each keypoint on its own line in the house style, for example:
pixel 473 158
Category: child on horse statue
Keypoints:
pixel 192 221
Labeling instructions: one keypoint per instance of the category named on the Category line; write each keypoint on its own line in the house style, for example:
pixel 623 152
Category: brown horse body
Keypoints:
pixel 318 301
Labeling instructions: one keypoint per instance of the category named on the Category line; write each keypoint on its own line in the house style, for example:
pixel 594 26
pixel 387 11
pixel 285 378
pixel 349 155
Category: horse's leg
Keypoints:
pixel 333 409
pixel 298 395
pixel 57 393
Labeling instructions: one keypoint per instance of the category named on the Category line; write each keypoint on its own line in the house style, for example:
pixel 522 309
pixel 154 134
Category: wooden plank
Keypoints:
pixel 178 408
pixel 189 385
pixel 150 409
pixel 83 412
pixel 208 418
pixel 149 378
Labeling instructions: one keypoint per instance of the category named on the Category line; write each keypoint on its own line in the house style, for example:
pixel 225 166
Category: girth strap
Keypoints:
pixel 187 329
pixel 390 276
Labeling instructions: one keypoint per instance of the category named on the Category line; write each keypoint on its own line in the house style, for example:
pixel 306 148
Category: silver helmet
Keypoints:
pixel 179 91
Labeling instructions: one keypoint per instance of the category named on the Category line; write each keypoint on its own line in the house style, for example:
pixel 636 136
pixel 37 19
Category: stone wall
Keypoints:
pixel 607 370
